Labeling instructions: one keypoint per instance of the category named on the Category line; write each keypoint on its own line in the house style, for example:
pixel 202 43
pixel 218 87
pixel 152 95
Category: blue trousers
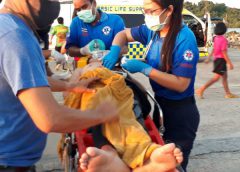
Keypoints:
pixel 181 120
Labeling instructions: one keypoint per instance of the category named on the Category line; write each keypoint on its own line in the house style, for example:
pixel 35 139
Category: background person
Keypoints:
pixel 221 61
pixel 171 61
pixel 60 31
pixel 29 111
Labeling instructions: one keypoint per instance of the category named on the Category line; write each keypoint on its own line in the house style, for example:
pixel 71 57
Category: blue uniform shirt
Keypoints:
pixel 185 58
pixel 82 33
pixel 21 67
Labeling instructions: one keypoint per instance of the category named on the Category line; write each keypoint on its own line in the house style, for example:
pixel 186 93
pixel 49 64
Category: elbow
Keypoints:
pixel 49 123
pixel 46 127
pixel 182 88
pixel 183 85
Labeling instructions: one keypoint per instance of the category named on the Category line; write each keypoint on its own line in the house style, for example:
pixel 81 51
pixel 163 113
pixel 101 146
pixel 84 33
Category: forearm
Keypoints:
pixel 124 50
pixel 49 116
pixel 57 85
pixel 170 81
pixel 210 55
pixel 76 120
pixel 46 53
pixel 226 57
pixel 120 39
pixel 74 52
pixel 51 38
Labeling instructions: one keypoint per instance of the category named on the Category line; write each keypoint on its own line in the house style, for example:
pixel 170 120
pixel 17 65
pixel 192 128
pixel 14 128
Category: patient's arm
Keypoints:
pixel 91 66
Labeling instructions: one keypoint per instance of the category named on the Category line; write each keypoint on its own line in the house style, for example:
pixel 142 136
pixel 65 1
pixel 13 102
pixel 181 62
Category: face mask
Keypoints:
pixel 48 12
pixel 87 16
pixel 154 23
pixel 39 14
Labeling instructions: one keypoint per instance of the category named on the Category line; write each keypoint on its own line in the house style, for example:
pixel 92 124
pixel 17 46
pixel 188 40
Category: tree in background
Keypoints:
pixel 218 10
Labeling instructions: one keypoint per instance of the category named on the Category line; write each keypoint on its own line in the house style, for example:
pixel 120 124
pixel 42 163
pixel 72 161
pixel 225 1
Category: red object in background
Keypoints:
pixel 76 58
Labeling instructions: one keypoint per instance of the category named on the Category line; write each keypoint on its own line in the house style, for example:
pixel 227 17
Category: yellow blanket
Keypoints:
pixel 128 137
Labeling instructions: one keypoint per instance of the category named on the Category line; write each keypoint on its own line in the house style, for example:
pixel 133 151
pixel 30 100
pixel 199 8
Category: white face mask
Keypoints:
pixel 87 16
pixel 153 22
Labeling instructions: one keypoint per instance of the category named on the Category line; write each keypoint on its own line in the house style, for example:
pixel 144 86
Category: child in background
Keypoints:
pixel 221 62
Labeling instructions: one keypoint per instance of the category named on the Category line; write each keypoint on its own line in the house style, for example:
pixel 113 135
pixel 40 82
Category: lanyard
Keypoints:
pixel 149 46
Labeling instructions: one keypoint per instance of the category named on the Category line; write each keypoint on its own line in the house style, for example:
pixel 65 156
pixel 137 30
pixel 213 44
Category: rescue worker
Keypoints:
pixel 171 60
pixel 89 25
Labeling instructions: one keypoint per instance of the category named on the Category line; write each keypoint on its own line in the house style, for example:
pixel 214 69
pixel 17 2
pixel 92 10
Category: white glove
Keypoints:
pixel 58 57
pixel 124 60
pixel 85 50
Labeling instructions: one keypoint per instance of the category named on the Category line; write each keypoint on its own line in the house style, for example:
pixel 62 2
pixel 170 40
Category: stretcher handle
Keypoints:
pixel 161 119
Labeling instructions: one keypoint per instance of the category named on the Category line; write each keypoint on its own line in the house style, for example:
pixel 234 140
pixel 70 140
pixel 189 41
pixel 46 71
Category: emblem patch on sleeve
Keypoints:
pixel 188 55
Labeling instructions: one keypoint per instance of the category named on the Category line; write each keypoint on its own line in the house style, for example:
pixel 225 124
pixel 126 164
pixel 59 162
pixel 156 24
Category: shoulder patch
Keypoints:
pixel 188 55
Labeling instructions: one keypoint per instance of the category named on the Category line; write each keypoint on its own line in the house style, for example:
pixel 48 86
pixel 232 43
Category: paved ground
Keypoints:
pixel 217 147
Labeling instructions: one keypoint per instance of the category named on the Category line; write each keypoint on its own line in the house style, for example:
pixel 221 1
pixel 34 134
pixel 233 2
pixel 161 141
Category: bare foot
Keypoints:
pixel 199 93
pixel 102 160
pixel 165 158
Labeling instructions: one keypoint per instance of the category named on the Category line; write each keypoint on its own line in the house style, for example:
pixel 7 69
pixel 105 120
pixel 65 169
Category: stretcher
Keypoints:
pixel 77 142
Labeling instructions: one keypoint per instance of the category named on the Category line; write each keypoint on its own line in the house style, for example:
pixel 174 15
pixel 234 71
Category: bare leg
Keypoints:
pixel 228 93
pixel 163 159
pixel 200 91
pixel 225 84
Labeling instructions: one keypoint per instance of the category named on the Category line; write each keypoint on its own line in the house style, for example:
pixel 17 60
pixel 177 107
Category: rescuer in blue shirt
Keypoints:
pixel 89 25
pixel 171 60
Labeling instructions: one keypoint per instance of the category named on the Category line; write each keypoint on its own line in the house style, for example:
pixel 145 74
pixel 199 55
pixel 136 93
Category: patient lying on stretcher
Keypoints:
pixel 129 141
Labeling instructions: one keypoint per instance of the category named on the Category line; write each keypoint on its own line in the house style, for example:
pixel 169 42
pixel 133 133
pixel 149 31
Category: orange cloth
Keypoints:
pixel 127 136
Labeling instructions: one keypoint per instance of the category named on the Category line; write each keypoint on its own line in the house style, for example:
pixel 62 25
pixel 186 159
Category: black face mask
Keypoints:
pixel 39 14
pixel 43 38
pixel 48 12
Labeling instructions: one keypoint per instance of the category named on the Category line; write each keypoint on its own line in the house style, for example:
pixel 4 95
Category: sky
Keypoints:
pixel 230 3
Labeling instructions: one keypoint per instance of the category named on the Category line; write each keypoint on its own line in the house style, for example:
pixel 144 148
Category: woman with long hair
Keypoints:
pixel 171 59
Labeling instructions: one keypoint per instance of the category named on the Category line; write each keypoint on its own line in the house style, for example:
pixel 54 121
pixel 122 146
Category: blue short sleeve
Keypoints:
pixel 120 26
pixel 141 34
pixel 24 66
pixel 186 56
pixel 72 37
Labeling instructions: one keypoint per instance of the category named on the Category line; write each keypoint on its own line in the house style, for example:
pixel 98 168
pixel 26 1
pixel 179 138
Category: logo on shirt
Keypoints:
pixel 188 55
pixel 106 30
pixel 84 32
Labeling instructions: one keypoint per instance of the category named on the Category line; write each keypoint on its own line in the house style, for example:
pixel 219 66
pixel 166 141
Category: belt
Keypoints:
pixel 17 169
